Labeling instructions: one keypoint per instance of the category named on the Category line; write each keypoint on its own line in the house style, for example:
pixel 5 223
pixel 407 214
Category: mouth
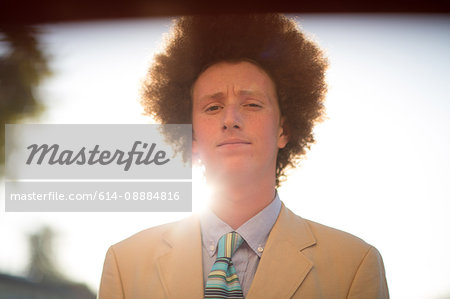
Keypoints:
pixel 233 142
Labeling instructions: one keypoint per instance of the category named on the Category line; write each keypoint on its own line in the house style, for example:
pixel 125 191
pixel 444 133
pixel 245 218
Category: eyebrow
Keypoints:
pixel 219 95
pixel 252 93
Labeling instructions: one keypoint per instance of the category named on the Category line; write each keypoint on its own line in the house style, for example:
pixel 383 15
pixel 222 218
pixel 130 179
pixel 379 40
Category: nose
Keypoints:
pixel 232 118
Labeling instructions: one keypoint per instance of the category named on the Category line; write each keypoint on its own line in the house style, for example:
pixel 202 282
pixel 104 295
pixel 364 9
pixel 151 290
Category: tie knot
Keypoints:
pixel 228 244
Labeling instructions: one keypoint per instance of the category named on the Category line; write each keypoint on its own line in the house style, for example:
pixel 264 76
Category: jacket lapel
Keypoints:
pixel 180 268
pixel 283 267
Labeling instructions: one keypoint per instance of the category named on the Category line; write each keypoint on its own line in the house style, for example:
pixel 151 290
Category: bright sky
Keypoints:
pixel 380 168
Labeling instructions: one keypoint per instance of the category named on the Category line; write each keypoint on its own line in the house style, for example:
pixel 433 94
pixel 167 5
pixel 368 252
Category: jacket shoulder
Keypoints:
pixel 327 235
pixel 150 239
pixel 343 262
pixel 318 235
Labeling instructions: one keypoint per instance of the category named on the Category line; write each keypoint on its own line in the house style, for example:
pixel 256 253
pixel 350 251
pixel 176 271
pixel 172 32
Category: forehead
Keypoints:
pixel 241 77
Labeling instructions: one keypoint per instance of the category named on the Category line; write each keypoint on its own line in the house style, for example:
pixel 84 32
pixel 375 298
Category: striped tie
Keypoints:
pixel 223 281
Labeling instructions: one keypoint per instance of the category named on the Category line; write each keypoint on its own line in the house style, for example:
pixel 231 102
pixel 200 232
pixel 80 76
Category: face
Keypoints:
pixel 237 129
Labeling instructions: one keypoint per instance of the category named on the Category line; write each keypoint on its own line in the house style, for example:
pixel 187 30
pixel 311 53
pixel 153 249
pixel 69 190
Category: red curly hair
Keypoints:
pixel 271 41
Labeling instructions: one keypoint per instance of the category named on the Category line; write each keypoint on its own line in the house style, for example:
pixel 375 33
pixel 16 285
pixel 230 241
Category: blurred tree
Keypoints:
pixel 23 66
pixel 42 267
pixel 43 280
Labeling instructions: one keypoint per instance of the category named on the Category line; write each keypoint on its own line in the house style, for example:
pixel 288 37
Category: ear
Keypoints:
pixel 195 152
pixel 194 146
pixel 283 137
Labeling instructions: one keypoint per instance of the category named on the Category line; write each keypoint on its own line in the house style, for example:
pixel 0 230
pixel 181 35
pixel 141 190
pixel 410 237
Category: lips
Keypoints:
pixel 233 141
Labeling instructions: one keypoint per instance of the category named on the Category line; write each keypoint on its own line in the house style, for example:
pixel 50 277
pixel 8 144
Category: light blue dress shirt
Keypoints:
pixel 255 233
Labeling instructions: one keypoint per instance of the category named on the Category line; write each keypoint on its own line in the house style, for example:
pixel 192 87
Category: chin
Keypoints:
pixel 230 172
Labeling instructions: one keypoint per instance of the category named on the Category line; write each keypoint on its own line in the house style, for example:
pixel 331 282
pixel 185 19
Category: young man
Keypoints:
pixel 254 86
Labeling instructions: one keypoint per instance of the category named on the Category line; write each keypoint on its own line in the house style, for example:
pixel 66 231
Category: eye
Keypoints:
pixel 213 108
pixel 253 106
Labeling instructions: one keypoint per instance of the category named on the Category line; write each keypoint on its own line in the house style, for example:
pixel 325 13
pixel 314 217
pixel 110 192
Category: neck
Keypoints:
pixel 236 203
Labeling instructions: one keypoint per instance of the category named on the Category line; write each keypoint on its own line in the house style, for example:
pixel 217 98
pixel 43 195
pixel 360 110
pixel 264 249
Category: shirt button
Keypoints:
pixel 211 247
pixel 260 249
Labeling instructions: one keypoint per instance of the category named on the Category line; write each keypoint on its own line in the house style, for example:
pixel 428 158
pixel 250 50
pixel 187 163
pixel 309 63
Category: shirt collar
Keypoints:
pixel 255 231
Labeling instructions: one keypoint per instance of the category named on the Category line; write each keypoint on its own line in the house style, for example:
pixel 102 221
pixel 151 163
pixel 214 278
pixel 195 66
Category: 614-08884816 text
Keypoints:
pixel 140 195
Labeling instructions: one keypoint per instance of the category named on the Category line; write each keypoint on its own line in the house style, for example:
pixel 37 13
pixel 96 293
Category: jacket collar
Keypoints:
pixel 283 256
pixel 180 268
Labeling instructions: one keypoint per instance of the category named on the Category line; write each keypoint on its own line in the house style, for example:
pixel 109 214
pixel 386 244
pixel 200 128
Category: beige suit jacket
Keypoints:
pixel 302 259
